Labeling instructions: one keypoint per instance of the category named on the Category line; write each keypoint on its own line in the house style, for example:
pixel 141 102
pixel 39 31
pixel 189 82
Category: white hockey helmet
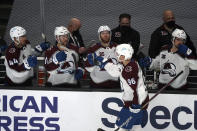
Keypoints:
pixel 16 32
pixel 103 28
pixel 125 50
pixel 61 30
pixel 178 33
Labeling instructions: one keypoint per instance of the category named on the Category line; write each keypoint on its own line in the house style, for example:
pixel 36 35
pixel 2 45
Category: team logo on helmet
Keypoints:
pixel 177 33
pixel 125 50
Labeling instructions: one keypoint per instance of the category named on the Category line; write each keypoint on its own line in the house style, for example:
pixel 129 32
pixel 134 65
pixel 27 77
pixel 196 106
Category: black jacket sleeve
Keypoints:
pixel 154 47
pixel 135 42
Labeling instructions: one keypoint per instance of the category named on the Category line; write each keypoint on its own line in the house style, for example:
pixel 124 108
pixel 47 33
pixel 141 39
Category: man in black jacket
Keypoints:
pixel 75 37
pixel 162 35
pixel 125 34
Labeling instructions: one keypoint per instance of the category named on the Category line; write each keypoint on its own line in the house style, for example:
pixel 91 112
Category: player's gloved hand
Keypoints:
pixel 90 58
pixel 102 61
pixel 31 61
pixel 59 57
pixel 3 48
pixel 144 118
pixel 145 62
pixel 124 116
pixel 184 50
pixel 78 74
pixel 42 47
pixel 137 114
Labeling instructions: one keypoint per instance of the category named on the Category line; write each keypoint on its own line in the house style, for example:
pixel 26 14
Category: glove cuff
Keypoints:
pixel 105 60
pixel 79 68
pixel 189 51
pixel 55 59
pixel 26 65
pixel 135 106
pixel 38 48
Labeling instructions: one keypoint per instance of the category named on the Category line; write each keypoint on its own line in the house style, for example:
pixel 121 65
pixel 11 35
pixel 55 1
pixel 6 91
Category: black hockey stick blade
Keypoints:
pixel 99 129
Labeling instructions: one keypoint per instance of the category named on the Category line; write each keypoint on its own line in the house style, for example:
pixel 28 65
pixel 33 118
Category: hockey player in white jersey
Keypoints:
pixel 20 58
pixel 100 78
pixel 134 93
pixel 61 61
pixel 172 60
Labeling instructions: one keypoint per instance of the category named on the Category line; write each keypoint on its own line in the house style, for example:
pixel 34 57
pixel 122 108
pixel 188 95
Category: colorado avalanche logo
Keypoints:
pixel 169 68
pixel 128 69
pixel 12 50
pixel 101 54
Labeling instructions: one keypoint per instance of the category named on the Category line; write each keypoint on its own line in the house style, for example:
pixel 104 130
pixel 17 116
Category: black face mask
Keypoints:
pixel 170 24
pixel 76 32
pixel 125 28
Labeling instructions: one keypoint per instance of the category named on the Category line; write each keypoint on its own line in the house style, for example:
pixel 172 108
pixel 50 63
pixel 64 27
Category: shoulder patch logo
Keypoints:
pixel 85 58
pixel 163 56
pixel 163 33
pixel 128 69
pixel 101 53
pixel 12 50
pixel 117 34
pixel 189 51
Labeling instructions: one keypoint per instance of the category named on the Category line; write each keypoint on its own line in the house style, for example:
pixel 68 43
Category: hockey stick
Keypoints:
pixel 42 18
pixel 43 28
pixel 157 93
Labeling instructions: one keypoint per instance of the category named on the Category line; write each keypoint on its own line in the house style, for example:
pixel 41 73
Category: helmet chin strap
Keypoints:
pixel 17 41
pixel 100 39
pixel 119 59
pixel 173 43
pixel 61 46
pixel 173 40
pixel 59 41
pixel 105 44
